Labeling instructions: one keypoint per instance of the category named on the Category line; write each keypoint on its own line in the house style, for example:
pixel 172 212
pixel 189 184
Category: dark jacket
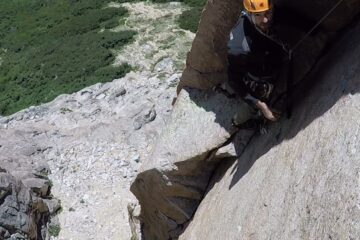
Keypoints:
pixel 252 52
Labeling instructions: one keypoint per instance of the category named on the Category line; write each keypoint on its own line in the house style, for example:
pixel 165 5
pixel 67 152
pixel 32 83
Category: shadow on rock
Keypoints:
pixel 335 77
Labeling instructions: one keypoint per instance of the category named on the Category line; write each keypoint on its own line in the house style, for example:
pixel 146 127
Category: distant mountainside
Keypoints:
pixel 48 48
pixel 73 158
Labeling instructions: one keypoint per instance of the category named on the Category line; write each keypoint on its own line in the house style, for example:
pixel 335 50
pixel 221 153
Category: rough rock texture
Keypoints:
pixel 300 181
pixel 206 63
pixel 26 206
pixel 25 202
pixel 95 140
pixel 93 148
pixel 172 182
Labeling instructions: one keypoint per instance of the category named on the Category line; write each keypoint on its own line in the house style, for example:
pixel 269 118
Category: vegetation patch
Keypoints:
pixel 188 20
pixel 52 47
pixel 54 230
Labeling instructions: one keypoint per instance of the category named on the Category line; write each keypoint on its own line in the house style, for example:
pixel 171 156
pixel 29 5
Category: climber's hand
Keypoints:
pixel 267 112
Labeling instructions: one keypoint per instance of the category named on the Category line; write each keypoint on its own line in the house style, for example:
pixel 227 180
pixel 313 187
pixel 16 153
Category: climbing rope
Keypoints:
pixel 290 55
pixel 313 28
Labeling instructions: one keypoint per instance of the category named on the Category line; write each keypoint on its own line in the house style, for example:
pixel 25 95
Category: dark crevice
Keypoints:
pixel 4 195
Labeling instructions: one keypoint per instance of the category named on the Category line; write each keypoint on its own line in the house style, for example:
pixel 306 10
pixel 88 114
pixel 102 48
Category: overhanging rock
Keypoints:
pixel 206 63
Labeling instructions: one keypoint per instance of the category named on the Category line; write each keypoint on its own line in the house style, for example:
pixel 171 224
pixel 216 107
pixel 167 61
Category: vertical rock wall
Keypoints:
pixel 206 63
pixel 301 180
pixel 175 178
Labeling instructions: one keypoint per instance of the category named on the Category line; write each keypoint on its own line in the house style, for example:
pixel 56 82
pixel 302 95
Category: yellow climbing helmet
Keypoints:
pixel 255 6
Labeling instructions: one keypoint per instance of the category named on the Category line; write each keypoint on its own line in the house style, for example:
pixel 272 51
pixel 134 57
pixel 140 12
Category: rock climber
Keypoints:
pixel 255 56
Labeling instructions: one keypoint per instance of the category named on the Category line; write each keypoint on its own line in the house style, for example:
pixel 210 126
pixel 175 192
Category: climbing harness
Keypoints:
pixel 260 87
pixel 290 58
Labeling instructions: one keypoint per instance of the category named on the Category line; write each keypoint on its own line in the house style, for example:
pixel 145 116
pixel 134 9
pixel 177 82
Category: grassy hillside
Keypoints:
pixel 51 47
pixel 189 19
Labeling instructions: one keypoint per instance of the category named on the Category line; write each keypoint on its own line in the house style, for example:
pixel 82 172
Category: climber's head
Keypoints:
pixel 260 12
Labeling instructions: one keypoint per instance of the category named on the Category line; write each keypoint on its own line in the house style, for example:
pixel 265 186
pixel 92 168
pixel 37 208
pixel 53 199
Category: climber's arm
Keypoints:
pixel 262 106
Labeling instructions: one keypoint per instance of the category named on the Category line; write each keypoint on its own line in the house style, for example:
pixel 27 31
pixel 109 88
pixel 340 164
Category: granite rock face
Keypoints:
pixel 278 186
pixel 301 180
pixel 173 181
pixel 206 63
pixel 26 206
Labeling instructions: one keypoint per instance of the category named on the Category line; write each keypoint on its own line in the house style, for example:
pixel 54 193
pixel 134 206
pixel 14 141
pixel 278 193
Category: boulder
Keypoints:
pixel 206 63
pixel 134 211
pixel 25 206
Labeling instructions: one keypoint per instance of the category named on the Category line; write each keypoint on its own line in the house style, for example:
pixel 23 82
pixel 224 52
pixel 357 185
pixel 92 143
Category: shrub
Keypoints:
pixel 54 230
pixel 189 20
